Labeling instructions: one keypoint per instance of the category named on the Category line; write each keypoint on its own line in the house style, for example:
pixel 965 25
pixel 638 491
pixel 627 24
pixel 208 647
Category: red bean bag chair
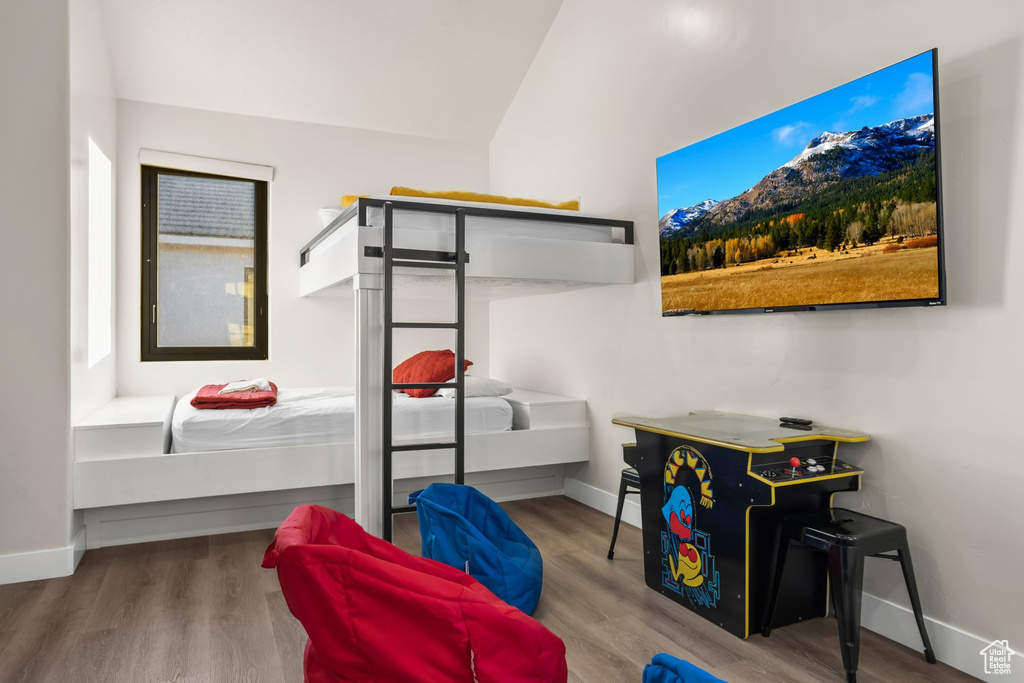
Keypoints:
pixel 376 614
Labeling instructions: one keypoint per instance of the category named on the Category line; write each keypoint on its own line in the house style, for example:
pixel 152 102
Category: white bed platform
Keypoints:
pixel 514 251
pixel 121 459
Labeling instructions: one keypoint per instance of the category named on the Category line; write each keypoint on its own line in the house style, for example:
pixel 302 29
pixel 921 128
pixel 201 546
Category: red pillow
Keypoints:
pixel 426 366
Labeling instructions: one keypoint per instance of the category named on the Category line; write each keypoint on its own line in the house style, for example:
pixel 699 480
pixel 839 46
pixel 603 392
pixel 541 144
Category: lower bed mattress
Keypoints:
pixel 324 415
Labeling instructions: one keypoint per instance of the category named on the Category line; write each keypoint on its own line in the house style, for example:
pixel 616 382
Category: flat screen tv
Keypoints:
pixel 833 202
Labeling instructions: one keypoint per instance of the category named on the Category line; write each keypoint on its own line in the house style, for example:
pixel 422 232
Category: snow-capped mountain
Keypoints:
pixel 913 131
pixel 676 220
pixel 828 158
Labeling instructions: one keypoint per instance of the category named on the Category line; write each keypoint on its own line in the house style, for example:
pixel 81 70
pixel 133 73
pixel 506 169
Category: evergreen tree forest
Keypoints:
pixel 844 214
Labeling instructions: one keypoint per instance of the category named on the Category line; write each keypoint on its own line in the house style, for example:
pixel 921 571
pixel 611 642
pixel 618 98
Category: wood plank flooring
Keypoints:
pixel 202 611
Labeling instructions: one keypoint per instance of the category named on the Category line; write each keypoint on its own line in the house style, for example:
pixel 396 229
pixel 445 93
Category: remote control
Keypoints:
pixel 796 421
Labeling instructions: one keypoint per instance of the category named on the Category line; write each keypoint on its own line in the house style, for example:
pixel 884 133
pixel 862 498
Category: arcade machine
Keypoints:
pixel 713 488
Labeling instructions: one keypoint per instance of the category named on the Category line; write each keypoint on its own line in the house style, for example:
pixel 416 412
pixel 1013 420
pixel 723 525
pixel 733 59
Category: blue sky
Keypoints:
pixel 729 163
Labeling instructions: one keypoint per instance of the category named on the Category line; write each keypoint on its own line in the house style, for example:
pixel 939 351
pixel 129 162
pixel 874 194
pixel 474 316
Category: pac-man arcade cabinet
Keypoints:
pixel 713 489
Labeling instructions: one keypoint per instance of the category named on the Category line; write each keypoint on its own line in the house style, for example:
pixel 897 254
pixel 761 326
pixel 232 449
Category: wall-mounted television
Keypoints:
pixel 833 202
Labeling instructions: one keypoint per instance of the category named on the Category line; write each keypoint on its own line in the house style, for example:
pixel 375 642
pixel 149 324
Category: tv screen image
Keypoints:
pixel 833 202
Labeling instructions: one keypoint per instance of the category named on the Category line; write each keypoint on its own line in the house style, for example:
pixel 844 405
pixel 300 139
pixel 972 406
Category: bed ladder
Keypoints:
pixel 420 258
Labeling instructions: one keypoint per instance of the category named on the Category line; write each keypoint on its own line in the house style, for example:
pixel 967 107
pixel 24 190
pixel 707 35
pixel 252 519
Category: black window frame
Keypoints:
pixel 150 242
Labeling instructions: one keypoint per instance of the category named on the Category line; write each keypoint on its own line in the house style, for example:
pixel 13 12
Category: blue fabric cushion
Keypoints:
pixel 668 669
pixel 463 528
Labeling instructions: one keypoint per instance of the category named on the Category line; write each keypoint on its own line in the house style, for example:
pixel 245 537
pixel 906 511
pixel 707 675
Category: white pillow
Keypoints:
pixel 479 386
pixel 328 215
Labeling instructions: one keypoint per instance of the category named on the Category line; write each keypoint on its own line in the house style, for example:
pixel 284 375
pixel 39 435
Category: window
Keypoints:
pixel 204 266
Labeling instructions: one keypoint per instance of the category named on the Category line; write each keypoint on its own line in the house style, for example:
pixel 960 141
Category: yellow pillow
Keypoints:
pixel 350 199
pixel 573 205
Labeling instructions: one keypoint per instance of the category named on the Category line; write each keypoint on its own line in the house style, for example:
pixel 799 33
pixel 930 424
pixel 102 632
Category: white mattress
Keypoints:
pixel 324 415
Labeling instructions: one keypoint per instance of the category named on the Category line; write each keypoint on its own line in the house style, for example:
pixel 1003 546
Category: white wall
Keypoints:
pixel 35 510
pixel 619 83
pixel 311 339
pixel 93 110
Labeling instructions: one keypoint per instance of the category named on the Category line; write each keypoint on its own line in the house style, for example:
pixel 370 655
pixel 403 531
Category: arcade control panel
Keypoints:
pixel 796 469
pixel 800 464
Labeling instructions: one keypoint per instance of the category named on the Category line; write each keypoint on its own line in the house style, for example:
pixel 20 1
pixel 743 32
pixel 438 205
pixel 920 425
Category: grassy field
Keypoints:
pixel 813 277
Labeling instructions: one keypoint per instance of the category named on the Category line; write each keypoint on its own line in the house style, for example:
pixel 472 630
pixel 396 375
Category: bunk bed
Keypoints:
pixel 377 249
pixel 383 247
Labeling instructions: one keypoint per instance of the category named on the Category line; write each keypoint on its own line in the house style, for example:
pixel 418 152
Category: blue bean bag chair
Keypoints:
pixel 465 529
pixel 667 669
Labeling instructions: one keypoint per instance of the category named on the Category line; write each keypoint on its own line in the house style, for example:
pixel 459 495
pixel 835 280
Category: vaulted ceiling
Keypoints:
pixel 435 68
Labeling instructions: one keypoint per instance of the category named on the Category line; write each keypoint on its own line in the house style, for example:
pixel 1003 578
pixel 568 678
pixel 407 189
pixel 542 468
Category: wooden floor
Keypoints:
pixel 202 611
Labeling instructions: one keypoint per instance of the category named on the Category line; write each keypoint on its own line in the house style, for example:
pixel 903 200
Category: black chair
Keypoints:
pixel 630 480
pixel 848 537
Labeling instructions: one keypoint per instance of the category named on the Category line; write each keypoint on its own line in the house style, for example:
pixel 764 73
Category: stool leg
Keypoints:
pixel 915 599
pixel 781 550
pixel 846 571
pixel 618 517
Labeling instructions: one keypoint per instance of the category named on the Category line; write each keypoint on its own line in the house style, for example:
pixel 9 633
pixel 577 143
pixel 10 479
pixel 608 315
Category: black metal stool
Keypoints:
pixel 630 479
pixel 848 537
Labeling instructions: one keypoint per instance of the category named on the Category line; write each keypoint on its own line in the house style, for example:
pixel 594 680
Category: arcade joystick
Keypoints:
pixel 794 463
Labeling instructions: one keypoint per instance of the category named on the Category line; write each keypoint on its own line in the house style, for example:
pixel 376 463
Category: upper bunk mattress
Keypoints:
pixel 324 415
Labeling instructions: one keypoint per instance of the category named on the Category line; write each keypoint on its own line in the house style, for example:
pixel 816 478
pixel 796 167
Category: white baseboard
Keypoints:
pixel 959 649
pixel 591 496
pixel 952 646
pixel 50 563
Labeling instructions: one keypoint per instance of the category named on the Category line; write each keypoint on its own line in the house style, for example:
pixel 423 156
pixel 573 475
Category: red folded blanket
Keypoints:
pixel 208 398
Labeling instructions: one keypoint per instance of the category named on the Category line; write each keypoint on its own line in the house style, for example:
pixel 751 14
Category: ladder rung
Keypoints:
pixel 405 263
pixel 425 385
pixel 423 255
pixel 403 508
pixel 422 446
pixel 414 254
pixel 425 326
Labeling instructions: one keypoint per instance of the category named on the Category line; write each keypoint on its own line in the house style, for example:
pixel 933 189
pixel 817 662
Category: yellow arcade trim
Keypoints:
pixel 790 482
pixel 745 449
pixel 824 437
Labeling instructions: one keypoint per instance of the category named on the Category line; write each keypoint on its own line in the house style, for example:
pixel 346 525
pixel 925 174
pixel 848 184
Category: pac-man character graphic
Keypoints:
pixel 678 513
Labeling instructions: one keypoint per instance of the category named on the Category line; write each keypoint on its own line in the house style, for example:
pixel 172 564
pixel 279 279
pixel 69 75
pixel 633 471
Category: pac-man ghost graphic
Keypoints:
pixel 678 513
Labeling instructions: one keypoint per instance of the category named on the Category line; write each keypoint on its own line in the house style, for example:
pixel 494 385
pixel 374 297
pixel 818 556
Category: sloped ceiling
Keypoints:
pixel 435 68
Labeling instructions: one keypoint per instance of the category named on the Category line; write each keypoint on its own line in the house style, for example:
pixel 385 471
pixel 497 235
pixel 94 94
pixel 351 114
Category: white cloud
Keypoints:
pixel 795 133
pixel 916 95
pixel 862 102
